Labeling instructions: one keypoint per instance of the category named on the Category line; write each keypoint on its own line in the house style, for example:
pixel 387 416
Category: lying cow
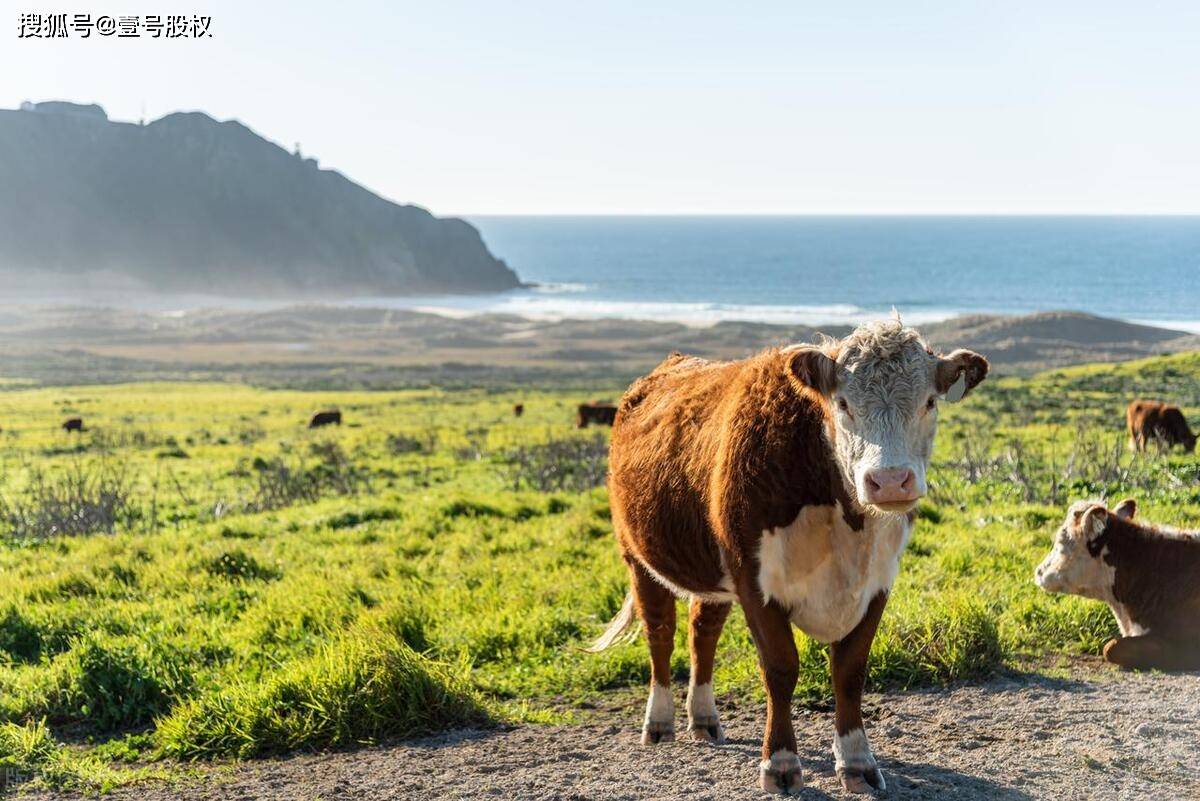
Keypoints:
pixel 1146 574
pixel 325 418
pixel 785 482
pixel 1152 421
pixel 72 424
pixel 597 412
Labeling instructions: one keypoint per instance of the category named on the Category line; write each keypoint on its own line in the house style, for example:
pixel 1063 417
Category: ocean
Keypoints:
pixel 811 270
pixel 816 270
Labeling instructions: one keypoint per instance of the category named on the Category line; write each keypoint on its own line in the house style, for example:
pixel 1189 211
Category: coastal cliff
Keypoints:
pixel 187 203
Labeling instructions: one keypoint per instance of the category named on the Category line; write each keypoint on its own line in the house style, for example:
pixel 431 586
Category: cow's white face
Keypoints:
pixel 883 385
pixel 1075 564
pixel 885 418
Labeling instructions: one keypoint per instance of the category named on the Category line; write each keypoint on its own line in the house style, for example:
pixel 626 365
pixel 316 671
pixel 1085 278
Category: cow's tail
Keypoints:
pixel 620 628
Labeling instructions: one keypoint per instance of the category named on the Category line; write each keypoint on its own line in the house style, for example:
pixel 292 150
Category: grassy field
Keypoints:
pixel 199 576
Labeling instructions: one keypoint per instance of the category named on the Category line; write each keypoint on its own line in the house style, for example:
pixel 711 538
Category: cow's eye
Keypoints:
pixel 931 404
pixel 845 407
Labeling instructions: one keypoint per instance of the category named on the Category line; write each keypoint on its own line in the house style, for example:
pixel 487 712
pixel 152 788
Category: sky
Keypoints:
pixel 622 107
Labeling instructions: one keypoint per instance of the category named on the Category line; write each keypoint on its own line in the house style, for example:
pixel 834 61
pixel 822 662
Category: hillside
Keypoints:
pixel 187 203
pixel 323 346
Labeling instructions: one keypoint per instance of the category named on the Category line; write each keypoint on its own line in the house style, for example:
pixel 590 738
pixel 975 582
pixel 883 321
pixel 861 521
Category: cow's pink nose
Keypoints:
pixel 894 485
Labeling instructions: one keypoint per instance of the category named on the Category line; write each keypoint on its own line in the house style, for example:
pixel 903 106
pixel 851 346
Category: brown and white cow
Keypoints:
pixel 1146 574
pixel 785 482
pixel 1156 422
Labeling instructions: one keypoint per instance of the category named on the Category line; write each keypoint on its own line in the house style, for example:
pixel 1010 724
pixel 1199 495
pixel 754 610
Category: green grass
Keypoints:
pixel 435 561
pixel 360 688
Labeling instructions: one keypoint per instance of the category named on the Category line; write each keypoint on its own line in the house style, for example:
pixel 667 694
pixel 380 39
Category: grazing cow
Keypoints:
pixel 518 409
pixel 72 424
pixel 598 412
pixel 325 418
pixel 1152 421
pixel 786 482
pixel 1146 574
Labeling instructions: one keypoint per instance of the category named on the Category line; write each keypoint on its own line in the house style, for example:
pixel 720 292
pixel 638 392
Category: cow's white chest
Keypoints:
pixel 826 573
pixel 1125 622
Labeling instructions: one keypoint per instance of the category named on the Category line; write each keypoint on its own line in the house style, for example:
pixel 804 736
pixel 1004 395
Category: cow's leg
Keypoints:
pixel 656 607
pixel 779 771
pixel 1149 652
pixel 853 760
pixel 704 630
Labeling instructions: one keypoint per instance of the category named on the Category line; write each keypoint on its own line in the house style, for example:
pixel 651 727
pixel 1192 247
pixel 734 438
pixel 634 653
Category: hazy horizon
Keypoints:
pixel 686 109
pixel 770 269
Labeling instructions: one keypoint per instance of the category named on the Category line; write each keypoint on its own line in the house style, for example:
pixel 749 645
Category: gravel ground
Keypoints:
pixel 1109 736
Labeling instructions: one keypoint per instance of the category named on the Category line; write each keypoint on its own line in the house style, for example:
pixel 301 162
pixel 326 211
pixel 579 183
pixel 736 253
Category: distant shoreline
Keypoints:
pixel 387 347
pixel 550 302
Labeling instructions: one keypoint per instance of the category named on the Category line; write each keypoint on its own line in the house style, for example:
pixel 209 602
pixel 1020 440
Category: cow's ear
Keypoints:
pixel 959 373
pixel 1093 522
pixel 1126 509
pixel 812 367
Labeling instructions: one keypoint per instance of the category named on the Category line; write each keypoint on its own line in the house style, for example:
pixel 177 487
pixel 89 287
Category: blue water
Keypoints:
pixel 841 269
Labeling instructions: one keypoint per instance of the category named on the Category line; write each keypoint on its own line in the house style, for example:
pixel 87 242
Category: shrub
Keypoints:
pixel 953 637
pixel 85 499
pixel 571 465
pixel 400 444
pixel 250 434
pixel 354 517
pixel 367 686
pixel 464 507
pixel 282 483
pixel 19 637
pixel 113 682
pixel 1093 462
pixel 475 447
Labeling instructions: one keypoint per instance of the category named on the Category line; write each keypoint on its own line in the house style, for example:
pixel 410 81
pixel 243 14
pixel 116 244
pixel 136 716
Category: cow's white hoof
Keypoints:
pixel 707 730
pixel 655 732
pixel 781 774
pixel 854 780
pixel 659 724
pixel 703 721
pixel 855 763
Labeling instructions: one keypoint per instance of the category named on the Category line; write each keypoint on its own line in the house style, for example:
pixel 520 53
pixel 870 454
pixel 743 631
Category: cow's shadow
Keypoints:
pixel 905 779
pixel 923 780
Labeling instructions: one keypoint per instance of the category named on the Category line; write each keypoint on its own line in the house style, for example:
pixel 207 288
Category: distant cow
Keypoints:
pixel 786 482
pixel 325 418
pixel 598 412
pixel 1152 421
pixel 1146 574
pixel 73 424
pixel 518 409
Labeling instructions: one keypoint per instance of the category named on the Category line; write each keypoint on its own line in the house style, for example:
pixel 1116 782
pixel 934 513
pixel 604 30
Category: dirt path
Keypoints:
pixel 1114 736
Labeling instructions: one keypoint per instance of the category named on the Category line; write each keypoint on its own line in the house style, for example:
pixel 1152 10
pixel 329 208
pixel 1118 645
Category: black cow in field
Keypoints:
pixel 325 418
pixel 518 409
pixel 72 424
pixel 597 412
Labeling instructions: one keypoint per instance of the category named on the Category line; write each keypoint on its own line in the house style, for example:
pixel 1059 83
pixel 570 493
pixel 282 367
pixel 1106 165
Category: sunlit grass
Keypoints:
pixel 406 575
